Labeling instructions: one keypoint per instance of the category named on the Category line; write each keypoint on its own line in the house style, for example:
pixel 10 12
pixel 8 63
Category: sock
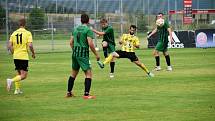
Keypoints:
pixel 70 83
pixel 108 59
pixel 157 58
pixel 167 60
pixel 87 86
pixel 105 52
pixel 112 65
pixel 145 69
pixel 17 85
pixel 17 78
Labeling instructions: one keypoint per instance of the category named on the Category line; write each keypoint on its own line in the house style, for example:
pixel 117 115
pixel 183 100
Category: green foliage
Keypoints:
pixel 141 23
pixel 36 19
pixel 2 16
pixel 194 26
pixel 205 26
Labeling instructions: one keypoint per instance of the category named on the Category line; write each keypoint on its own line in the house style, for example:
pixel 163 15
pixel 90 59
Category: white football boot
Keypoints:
pixel 157 68
pixel 169 68
pixel 17 91
pixel 111 75
pixel 150 74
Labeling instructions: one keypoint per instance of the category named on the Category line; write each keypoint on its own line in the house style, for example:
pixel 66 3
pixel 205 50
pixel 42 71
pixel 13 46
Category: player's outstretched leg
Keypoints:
pixel 142 66
pixel 101 65
pixel 17 80
pixel 107 60
pixel 17 88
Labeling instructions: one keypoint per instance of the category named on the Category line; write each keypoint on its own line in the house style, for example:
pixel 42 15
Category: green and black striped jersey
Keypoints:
pixel 80 45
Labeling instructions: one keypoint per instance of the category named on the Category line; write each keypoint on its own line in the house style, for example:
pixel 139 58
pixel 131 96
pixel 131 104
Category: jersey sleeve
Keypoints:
pixel 90 34
pixel 137 41
pixel 108 30
pixel 166 24
pixel 11 38
pixel 123 38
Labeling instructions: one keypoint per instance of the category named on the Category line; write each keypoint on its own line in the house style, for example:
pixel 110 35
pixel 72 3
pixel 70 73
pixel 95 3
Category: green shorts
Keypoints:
pixel 161 46
pixel 78 62
pixel 111 48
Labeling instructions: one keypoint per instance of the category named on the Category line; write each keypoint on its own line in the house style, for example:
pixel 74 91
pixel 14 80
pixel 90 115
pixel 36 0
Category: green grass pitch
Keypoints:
pixel 185 94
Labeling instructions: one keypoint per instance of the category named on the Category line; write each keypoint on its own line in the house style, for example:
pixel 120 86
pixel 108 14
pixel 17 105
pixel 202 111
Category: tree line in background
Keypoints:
pixel 2 17
pixel 37 18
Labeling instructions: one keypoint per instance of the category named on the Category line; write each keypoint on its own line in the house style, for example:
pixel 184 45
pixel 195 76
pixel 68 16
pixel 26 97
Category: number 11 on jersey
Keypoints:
pixel 19 38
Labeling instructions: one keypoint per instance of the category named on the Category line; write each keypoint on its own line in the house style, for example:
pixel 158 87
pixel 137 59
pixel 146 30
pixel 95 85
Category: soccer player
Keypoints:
pixel 80 42
pixel 129 42
pixel 162 44
pixel 18 45
pixel 108 42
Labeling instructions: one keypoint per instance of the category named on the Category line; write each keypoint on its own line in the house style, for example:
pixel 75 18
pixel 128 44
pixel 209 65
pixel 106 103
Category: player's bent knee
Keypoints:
pixel 115 54
pixel 155 54
pixel 104 44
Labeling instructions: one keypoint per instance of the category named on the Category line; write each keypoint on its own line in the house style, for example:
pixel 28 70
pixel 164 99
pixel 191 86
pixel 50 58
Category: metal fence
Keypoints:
pixel 61 17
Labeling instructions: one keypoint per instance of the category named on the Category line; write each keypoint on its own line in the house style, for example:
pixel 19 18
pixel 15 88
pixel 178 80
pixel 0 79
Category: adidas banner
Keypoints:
pixel 182 39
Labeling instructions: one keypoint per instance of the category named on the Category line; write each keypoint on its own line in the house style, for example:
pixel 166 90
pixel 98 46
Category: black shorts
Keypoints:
pixel 21 64
pixel 130 55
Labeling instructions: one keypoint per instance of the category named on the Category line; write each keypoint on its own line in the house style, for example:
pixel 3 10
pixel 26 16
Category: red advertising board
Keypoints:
pixel 187 16
pixel 194 11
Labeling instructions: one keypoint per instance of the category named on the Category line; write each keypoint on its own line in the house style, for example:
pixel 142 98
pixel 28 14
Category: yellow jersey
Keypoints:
pixel 20 39
pixel 129 41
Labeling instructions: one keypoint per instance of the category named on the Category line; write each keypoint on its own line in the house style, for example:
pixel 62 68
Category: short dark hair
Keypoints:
pixel 84 18
pixel 103 20
pixel 22 22
pixel 133 26
pixel 160 13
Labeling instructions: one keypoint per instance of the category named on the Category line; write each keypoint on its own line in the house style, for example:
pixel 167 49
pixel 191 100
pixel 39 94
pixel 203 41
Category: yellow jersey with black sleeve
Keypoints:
pixel 129 42
pixel 20 39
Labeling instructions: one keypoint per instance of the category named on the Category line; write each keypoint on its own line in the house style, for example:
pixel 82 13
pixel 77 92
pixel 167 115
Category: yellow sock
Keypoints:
pixel 16 78
pixel 108 59
pixel 144 68
pixel 17 85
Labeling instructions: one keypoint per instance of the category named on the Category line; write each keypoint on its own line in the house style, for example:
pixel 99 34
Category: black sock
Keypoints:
pixel 167 60
pixel 70 83
pixel 105 52
pixel 87 85
pixel 112 65
pixel 157 58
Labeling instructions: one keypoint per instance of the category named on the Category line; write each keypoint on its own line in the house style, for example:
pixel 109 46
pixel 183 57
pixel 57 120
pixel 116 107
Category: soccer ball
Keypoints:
pixel 97 49
pixel 160 22
pixel 104 44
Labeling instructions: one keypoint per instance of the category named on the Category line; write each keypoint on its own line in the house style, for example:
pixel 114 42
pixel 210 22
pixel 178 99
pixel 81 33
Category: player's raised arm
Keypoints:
pixel 137 46
pixel 92 48
pixel 153 32
pixel 122 41
pixel 98 32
